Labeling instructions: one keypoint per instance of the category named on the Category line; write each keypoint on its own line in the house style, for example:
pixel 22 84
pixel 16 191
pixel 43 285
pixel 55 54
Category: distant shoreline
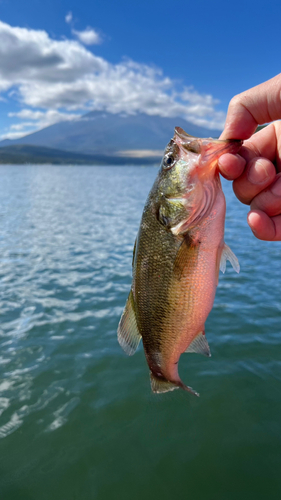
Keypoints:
pixel 21 154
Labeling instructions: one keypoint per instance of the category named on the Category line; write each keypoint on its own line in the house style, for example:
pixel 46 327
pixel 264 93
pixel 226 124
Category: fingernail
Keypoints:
pixel 251 220
pixel 258 173
pixel 276 188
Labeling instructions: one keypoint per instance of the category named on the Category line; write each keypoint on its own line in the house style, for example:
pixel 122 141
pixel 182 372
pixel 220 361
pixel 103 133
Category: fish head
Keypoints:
pixel 189 178
pixel 202 154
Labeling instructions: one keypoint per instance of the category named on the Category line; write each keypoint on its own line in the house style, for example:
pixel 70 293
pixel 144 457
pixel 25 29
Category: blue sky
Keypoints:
pixel 59 60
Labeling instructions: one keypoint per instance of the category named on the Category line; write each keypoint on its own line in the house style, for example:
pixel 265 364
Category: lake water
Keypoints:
pixel 77 417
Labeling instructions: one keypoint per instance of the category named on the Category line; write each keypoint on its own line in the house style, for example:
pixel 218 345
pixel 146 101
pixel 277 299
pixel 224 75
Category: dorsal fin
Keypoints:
pixel 200 345
pixel 128 333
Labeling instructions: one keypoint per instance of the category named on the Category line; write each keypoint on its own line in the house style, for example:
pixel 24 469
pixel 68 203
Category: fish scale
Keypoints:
pixel 178 252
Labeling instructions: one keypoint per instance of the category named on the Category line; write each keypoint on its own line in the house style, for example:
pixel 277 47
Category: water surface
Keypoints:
pixel 77 418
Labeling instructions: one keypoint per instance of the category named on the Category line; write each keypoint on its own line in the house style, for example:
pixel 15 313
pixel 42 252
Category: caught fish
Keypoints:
pixel 177 256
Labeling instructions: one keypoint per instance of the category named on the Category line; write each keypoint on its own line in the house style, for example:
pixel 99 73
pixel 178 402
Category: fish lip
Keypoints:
pixel 207 147
pixel 180 133
pixel 217 147
pixel 236 144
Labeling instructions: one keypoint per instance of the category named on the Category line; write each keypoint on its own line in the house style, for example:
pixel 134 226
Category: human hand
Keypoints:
pixel 256 170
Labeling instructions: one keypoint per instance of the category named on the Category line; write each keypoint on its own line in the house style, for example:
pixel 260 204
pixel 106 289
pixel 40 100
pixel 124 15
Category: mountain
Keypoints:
pixel 106 134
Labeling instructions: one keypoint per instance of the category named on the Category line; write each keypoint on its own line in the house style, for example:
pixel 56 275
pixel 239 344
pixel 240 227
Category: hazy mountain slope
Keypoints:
pixel 107 134
pixel 19 154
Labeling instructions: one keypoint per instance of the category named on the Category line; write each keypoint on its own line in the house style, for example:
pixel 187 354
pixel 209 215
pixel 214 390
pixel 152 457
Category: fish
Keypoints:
pixel 177 256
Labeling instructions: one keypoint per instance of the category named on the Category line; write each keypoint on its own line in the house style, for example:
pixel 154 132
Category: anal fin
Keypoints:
pixel 128 333
pixel 227 254
pixel 200 345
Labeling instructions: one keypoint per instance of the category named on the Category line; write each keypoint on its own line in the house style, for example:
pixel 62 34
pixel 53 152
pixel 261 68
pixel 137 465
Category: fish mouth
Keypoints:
pixel 208 148
pixel 212 150
pixel 215 148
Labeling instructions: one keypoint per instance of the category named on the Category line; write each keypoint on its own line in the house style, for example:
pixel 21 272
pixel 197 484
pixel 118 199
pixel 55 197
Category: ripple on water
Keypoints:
pixel 66 244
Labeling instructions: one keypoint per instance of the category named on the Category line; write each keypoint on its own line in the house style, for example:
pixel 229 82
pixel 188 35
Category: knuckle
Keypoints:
pixel 235 101
pixel 238 100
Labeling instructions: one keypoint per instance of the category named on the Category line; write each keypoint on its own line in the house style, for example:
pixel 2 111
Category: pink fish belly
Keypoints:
pixel 198 296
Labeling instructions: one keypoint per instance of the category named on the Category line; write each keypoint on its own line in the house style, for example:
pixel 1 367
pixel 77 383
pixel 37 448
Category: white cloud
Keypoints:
pixel 68 17
pixel 16 135
pixel 40 119
pixel 58 79
pixel 89 36
pixel 46 117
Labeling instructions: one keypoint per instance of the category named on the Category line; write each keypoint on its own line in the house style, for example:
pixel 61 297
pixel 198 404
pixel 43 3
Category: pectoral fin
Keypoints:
pixel 128 333
pixel 200 345
pixel 227 254
pixel 134 252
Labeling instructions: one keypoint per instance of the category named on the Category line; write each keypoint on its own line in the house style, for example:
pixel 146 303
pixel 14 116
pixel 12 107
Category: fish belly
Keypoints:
pixel 194 294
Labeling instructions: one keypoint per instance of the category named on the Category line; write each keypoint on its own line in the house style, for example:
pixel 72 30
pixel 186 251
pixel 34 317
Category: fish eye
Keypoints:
pixel 168 161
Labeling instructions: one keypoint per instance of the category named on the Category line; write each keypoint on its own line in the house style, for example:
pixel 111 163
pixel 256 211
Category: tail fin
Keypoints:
pixel 159 385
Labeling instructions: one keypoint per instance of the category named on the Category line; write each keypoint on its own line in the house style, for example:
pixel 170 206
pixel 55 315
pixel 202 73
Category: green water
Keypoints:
pixel 77 418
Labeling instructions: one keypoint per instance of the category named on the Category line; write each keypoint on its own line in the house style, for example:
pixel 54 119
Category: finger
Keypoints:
pixel 258 105
pixel 231 166
pixel 269 200
pixel 258 175
pixel 263 143
pixel 264 227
